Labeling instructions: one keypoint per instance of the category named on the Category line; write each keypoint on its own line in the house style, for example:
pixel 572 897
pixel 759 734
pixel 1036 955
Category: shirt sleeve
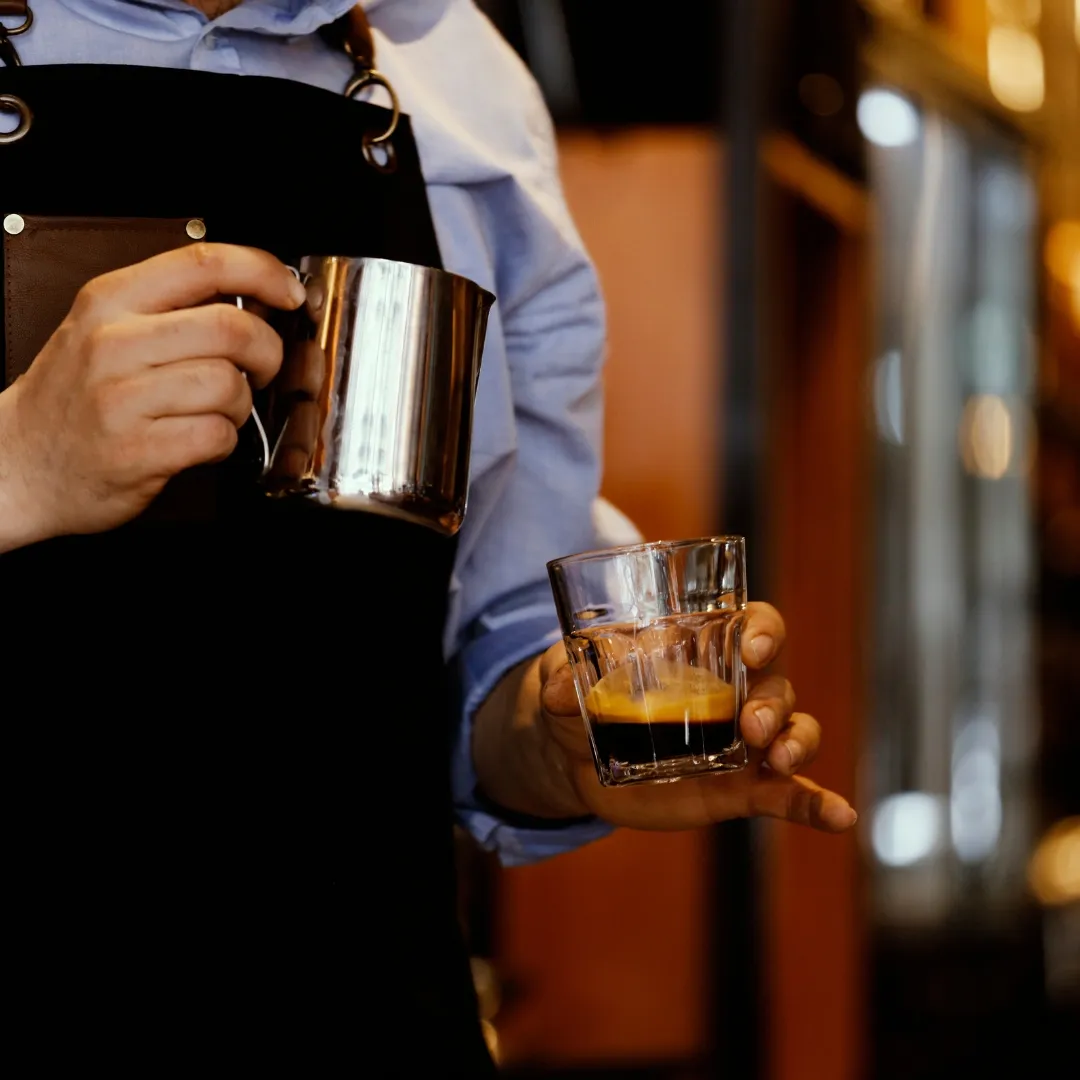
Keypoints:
pixel 489 154
pixel 525 629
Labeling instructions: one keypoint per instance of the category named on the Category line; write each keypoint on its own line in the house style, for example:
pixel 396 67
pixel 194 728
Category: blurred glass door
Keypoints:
pixel 949 769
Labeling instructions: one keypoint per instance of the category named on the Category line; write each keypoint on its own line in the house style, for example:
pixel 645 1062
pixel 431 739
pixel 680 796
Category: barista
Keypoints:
pixel 226 848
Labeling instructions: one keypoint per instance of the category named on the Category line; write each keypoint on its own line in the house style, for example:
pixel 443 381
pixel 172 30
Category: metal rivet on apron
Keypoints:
pixel 196 228
pixel 13 224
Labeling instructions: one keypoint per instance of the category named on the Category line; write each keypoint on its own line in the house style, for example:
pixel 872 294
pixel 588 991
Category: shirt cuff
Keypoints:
pixel 482 663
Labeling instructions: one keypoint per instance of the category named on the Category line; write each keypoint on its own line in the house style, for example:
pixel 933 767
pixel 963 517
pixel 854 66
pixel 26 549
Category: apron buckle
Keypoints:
pixel 8 54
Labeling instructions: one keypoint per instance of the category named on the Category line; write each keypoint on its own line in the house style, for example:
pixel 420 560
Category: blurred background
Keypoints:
pixel 840 245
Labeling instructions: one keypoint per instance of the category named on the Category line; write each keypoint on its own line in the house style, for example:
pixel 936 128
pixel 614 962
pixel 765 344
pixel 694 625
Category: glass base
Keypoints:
pixel 620 773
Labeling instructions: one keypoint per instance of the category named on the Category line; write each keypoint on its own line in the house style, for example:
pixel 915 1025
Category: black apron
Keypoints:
pixel 226 729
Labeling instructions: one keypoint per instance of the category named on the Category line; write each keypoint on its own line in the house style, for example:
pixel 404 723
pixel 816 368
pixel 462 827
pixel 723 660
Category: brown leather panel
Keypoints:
pixel 358 36
pixel 52 258
pixel 352 33
pixel 13 7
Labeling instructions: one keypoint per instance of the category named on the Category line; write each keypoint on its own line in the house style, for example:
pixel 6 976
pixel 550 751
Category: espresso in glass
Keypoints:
pixel 653 633
pixel 661 708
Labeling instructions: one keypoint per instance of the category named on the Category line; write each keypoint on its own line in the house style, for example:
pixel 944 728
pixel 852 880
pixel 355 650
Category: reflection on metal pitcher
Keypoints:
pixel 372 409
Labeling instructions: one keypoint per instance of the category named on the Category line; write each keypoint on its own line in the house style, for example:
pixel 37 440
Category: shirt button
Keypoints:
pixel 211 41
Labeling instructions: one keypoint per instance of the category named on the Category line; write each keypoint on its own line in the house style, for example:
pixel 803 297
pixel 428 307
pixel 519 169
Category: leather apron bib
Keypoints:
pixel 226 728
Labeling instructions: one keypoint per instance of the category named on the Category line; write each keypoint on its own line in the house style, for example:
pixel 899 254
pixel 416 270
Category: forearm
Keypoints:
pixel 518 765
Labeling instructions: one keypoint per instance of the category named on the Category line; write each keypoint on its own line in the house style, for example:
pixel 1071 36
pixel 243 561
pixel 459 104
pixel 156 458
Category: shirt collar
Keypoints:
pixel 159 19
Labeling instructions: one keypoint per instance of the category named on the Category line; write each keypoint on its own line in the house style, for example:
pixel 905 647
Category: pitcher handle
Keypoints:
pixel 268 454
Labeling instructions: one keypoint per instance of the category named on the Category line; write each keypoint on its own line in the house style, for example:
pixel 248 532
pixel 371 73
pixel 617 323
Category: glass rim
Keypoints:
pixel 598 554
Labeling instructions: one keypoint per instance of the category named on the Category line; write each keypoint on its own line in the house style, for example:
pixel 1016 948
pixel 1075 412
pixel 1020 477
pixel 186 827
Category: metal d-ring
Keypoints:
pixel 15 31
pixel 26 118
pixel 361 81
pixel 370 148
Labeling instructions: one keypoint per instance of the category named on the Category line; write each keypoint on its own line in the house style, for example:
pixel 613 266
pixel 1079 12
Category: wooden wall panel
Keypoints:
pixel 816 1004
pixel 648 204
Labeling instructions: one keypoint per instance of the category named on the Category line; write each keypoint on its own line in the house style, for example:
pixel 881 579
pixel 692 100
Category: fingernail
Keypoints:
pixel 795 754
pixel 767 719
pixel 762 647
pixel 844 818
pixel 297 291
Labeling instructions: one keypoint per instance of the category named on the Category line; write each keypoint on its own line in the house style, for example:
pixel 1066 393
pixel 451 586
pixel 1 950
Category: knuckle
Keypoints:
pixel 205 257
pixel 233 328
pixel 222 437
pixel 222 379
pixel 89 298
pixel 211 439
pixel 803 806
pixel 100 342
pixel 218 432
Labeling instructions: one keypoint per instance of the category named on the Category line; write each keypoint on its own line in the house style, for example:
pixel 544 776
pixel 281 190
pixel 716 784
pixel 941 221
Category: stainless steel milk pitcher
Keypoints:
pixel 373 406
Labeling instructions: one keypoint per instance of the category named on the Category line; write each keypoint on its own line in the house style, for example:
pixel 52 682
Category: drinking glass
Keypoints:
pixel 653 635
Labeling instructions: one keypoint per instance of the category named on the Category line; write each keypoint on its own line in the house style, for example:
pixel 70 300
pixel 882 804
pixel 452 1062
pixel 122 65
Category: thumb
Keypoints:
pixel 557 694
pixel 552 660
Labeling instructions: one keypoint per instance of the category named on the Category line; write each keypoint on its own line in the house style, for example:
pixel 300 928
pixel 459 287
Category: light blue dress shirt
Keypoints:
pixel 488 154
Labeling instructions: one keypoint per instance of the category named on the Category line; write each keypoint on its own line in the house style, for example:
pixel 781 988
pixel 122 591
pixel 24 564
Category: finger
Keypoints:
pixel 214 330
pixel 763 634
pixel 557 693
pixel 256 308
pixel 176 443
pixel 803 802
pixel 766 711
pixel 304 371
pixel 193 275
pixel 796 746
pixel 297 441
pixel 194 388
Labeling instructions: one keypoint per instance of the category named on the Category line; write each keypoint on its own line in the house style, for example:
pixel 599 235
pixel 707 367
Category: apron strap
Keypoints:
pixel 351 33
pixel 359 43
pixel 21 11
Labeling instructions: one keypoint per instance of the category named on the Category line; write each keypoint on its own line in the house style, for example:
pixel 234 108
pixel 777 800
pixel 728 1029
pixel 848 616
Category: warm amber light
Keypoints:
pixel 1014 66
pixel 1054 870
pixel 1025 12
pixel 1062 257
pixel 491 1037
pixel 1062 252
pixel 986 436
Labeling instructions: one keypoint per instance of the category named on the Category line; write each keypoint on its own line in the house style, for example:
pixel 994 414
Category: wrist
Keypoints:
pixel 21 519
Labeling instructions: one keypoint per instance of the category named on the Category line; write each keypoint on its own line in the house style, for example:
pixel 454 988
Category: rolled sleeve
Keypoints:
pixel 505 643
pixel 502 220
